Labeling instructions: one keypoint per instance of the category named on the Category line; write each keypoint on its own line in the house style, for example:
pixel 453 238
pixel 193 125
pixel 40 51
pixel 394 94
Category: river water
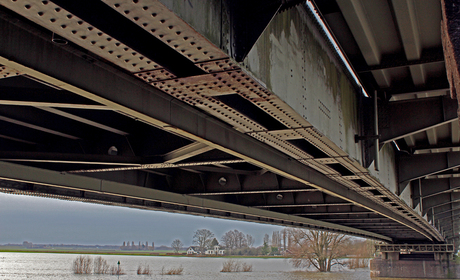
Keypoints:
pixel 38 266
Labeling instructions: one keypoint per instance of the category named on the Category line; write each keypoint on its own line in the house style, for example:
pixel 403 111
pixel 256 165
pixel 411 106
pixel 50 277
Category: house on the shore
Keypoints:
pixel 215 251
pixel 193 250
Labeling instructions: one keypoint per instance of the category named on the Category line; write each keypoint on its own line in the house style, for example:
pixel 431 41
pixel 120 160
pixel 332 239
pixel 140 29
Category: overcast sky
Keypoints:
pixel 52 221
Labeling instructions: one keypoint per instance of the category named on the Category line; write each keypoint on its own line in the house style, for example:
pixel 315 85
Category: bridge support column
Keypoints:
pixel 410 269
pixel 415 262
pixel 394 256
pixel 443 256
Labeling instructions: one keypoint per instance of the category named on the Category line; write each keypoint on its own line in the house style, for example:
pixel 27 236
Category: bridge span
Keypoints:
pixel 333 116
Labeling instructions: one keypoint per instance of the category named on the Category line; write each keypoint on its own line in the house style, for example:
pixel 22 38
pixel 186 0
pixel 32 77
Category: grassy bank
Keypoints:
pixel 119 252
pixel 90 252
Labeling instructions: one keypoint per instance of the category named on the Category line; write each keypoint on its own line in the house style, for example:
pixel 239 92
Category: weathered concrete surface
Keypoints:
pixel 387 171
pixel 407 269
pixel 292 59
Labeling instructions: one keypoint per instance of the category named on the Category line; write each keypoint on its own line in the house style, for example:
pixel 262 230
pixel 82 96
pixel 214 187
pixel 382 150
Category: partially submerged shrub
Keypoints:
pixel 246 267
pixel 143 270
pixel 82 265
pixel 116 270
pixel 85 264
pixel 235 266
pixel 172 271
pixel 101 266
pixel 230 266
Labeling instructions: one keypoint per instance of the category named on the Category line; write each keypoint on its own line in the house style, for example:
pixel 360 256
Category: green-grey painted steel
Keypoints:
pixel 10 171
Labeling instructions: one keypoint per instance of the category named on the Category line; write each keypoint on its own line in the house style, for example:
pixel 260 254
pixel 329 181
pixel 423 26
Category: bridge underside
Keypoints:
pixel 398 52
pixel 125 104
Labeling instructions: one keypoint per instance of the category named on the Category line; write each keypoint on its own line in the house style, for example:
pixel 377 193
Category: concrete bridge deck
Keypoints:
pixel 234 110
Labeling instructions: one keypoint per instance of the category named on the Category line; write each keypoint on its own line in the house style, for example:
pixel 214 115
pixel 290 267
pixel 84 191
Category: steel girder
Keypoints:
pixel 413 167
pixel 387 44
pixel 120 194
pixel 400 60
pixel 69 70
pixel 401 119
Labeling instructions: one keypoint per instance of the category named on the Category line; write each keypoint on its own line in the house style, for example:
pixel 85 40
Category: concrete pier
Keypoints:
pixel 415 262
pixel 418 269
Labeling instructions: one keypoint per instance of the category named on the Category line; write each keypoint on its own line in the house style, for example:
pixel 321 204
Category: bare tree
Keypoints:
pixel 228 240
pixel 203 238
pixel 234 239
pixel 250 240
pixel 319 249
pixel 177 245
pixel 266 239
pixel 240 239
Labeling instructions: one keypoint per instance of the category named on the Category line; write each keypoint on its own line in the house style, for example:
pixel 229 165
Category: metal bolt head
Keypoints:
pixel 222 181
pixel 113 151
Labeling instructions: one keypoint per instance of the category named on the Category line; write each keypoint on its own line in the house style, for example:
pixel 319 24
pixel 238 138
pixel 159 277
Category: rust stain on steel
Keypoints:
pixel 155 75
pixel 162 23
pixel 225 78
pixel 225 64
pixel 205 85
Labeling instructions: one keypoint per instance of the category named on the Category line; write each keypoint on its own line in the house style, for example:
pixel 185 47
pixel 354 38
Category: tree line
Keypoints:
pixel 306 248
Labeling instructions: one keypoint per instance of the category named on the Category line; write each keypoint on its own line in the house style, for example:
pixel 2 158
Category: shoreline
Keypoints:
pixel 131 253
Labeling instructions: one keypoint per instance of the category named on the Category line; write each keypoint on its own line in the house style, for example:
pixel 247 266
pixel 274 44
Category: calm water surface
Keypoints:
pixel 59 266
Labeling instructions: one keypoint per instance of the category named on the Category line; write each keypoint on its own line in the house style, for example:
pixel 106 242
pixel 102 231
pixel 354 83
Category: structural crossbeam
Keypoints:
pixel 419 166
pixel 18 173
pixel 400 60
pixel 71 71
pixel 408 118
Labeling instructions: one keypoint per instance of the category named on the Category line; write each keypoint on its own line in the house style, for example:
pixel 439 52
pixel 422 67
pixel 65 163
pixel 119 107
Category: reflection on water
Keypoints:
pixel 16 266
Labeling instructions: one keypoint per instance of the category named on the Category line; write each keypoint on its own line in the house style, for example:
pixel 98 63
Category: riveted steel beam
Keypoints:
pixel 68 158
pixel 54 179
pixel 99 82
pixel 97 13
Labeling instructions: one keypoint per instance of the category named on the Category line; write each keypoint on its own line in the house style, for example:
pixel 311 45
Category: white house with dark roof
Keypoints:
pixel 193 250
pixel 215 251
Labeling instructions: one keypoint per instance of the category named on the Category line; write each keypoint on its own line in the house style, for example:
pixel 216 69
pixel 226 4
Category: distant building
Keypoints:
pixel 30 245
pixel 141 246
pixel 215 251
pixel 193 250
